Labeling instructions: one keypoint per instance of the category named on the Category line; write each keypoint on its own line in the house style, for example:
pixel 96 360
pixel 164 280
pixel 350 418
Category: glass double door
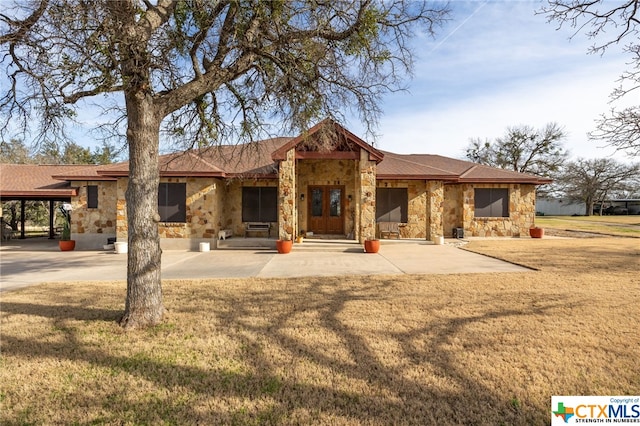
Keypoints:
pixel 326 209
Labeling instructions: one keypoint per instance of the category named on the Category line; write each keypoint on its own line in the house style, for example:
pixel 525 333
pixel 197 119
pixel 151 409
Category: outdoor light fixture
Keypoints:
pixel 349 197
pixel 301 197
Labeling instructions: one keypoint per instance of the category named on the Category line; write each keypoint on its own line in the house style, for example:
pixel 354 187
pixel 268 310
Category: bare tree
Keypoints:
pixel 609 23
pixel 200 71
pixel 522 149
pixel 592 181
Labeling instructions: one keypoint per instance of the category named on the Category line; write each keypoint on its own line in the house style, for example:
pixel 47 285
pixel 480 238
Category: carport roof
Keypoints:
pixel 32 181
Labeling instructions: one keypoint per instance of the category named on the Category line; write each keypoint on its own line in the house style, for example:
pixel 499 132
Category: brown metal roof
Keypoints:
pixel 255 160
pixel 30 181
pixel 431 167
pixel 252 159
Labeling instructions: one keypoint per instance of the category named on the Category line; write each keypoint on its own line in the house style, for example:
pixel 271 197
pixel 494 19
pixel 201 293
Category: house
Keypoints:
pixel 326 181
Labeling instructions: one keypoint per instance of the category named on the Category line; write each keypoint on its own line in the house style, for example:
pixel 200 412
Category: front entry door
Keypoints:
pixel 326 209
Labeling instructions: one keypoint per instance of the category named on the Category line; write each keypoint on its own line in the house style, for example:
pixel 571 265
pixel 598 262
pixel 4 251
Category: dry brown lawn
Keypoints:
pixel 626 226
pixel 457 349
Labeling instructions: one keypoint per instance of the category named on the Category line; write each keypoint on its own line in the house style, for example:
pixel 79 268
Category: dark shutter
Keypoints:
pixel 250 204
pixel 259 204
pixel 491 202
pixel 269 204
pixel 392 205
pixel 172 202
pixel 92 197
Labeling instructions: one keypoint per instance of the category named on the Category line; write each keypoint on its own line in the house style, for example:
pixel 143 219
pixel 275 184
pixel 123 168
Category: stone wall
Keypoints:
pixel 424 210
pixel 287 216
pixel 204 213
pixel 122 227
pixel 366 198
pixel 435 209
pixel 521 212
pixel 452 208
pixel 232 205
pixel 327 172
pixel 416 209
pixel 92 227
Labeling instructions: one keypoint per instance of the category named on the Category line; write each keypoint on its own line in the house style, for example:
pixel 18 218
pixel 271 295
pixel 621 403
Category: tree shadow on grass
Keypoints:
pixel 353 385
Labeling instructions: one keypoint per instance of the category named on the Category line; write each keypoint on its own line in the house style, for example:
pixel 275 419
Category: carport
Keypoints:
pixel 31 182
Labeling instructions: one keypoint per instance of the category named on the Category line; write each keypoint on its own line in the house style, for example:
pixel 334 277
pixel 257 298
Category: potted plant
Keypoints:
pixel 66 243
pixel 284 245
pixel 536 232
pixel 371 245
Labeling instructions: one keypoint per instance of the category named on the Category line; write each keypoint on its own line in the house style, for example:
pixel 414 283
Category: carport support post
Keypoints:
pixel 52 234
pixel 22 220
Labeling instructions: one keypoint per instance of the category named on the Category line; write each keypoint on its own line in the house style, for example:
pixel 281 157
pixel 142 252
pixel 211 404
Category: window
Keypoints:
pixel 391 205
pixel 172 202
pixel 92 197
pixel 491 202
pixel 259 204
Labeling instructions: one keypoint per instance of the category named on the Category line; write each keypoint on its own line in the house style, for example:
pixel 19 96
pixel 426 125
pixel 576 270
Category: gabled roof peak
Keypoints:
pixel 326 137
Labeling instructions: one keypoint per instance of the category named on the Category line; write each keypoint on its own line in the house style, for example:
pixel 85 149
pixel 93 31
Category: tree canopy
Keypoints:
pixel 201 71
pixel 591 181
pixel 522 149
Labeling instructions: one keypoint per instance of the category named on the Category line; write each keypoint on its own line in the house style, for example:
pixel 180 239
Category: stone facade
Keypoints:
pixel 435 206
pixel 366 198
pixel 204 213
pixel 92 227
pixel 452 208
pixel 122 227
pixel 232 204
pixel 521 212
pixel 327 172
pixel 287 217
pixel 424 210
pixel 212 204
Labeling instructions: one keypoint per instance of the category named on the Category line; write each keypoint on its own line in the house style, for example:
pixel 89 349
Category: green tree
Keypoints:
pixel 202 71
pixel 68 152
pixel 522 149
pixel 15 152
pixel 608 24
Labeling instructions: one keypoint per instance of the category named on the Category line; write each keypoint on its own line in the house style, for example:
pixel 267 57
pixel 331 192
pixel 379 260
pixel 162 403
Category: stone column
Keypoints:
pixel 122 227
pixel 435 208
pixel 287 196
pixel 468 206
pixel 367 198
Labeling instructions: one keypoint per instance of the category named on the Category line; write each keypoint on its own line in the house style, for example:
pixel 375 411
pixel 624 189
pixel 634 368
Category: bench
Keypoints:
pixel 257 227
pixel 389 228
pixel 223 234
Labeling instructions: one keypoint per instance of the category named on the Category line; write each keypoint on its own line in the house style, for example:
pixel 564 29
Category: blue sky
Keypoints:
pixel 497 64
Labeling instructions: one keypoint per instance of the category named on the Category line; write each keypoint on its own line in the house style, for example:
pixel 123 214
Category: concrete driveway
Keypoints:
pixel 24 263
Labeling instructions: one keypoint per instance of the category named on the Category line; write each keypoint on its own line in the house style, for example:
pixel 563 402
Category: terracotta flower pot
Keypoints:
pixel 371 246
pixel 536 232
pixel 67 245
pixel 284 246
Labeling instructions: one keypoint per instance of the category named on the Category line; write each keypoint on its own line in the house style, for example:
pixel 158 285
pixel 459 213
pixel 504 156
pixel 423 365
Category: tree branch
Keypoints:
pixel 24 25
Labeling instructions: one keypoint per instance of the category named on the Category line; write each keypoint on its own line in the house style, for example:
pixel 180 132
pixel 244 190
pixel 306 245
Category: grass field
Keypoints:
pixel 458 349
pixel 626 226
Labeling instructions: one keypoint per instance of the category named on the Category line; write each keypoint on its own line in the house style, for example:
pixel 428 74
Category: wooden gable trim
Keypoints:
pixel 334 155
pixel 281 153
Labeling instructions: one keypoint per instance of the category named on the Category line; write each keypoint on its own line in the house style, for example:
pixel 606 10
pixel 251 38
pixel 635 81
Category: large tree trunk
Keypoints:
pixel 144 290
